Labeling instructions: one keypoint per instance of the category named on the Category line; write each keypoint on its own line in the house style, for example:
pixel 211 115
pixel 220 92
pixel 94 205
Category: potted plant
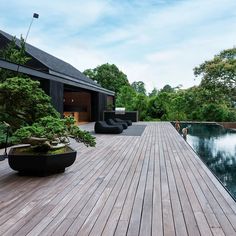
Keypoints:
pixel 47 150
pixel 34 121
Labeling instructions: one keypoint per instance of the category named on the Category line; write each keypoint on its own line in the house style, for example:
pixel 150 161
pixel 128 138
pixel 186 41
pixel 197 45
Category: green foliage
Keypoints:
pixel 53 130
pixel 29 111
pixel 153 93
pixel 231 115
pixel 139 87
pixel 125 98
pixel 108 76
pixel 214 112
pixel 213 100
pixel 3 134
pixel 167 89
pixel 23 102
pixel 14 54
pixel 219 75
pixel 140 104
pixel 158 106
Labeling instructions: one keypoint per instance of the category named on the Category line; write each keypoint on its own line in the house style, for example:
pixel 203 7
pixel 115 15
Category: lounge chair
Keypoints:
pixel 128 122
pixel 102 127
pixel 112 122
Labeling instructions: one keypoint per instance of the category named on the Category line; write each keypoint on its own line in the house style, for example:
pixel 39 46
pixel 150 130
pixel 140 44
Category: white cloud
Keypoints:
pixel 158 42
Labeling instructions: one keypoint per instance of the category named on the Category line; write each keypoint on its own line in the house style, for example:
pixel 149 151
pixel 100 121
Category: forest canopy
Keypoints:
pixel 213 100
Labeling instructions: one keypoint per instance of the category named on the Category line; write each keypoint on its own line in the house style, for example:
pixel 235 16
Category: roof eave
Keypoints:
pixel 54 76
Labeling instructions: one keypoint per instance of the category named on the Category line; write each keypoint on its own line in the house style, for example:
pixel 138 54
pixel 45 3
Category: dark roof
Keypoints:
pixel 42 75
pixel 53 63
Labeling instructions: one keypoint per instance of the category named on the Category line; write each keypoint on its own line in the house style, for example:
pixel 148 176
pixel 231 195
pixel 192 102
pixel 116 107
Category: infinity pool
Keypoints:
pixel 216 146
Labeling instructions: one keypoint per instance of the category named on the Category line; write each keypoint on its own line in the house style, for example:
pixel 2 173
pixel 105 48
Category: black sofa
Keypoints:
pixel 101 127
pixel 112 122
pixel 128 122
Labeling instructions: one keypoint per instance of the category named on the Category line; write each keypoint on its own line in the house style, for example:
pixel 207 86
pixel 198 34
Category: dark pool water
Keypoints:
pixel 216 146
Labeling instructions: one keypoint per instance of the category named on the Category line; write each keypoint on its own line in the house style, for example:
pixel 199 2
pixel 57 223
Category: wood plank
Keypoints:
pixel 196 167
pixel 108 216
pixel 146 220
pixel 80 193
pixel 152 184
pixel 202 225
pixel 135 218
pixel 66 186
pixel 211 218
pixel 157 220
pixel 80 217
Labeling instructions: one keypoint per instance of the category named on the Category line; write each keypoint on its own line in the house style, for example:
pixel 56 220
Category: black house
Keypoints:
pixel 72 92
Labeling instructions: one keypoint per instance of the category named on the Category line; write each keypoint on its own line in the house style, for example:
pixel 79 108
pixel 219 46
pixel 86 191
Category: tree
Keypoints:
pixel 219 75
pixel 14 54
pixel 24 102
pixel 158 106
pixel 184 103
pixel 214 112
pixel 167 89
pixel 153 93
pixel 140 104
pixel 139 87
pixel 125 98
pixel 108 76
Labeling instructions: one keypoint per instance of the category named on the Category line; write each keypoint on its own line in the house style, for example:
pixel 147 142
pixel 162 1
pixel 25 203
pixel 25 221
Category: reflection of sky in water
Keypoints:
pixel 225 144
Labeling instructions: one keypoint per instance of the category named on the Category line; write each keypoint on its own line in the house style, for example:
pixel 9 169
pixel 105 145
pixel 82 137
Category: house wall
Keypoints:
pixel 98 101
pixel 99 105
pixel 78 104
pixel 56 92
pixel 92 102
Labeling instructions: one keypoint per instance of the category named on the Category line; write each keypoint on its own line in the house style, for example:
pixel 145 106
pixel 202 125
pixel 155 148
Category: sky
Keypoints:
pixel 158 42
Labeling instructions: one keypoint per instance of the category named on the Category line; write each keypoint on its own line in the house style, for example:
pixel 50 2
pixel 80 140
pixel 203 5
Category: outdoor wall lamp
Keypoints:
pixel 35 15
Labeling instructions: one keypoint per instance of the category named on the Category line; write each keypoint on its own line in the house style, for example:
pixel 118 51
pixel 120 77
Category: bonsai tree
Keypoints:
pixel 52 133
pixel 28 109
pixel 33 119
pixel 15 54
pixel 48 152
pixel 23 102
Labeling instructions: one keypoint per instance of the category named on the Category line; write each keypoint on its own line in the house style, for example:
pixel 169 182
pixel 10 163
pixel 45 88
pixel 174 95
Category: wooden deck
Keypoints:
pixel 152 184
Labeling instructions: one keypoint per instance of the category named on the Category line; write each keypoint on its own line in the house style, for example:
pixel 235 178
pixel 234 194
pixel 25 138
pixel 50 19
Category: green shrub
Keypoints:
pixel 3 133
pixel 214 112
pixel 52 130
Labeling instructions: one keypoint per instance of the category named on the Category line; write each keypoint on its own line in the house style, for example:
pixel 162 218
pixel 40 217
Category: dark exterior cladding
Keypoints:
pixel 52 67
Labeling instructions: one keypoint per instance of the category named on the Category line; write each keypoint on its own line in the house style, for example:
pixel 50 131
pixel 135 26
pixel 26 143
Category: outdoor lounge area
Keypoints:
pixel 148 184
pixel 111 126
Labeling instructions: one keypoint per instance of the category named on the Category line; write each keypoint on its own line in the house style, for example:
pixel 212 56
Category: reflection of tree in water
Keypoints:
pixel 221 163
pixel 207 131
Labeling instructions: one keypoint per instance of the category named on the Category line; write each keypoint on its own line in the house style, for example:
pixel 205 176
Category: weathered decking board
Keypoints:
pixel 152 184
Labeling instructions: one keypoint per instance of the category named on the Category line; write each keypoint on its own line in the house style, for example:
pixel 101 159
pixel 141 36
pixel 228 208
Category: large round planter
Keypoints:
pixel 42 164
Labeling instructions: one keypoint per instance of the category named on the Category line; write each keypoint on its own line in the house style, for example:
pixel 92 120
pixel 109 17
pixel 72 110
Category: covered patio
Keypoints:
pixel 147 184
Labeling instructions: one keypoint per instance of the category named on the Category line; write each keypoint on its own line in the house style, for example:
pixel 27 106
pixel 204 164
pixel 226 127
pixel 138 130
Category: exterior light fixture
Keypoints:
pixel 35 15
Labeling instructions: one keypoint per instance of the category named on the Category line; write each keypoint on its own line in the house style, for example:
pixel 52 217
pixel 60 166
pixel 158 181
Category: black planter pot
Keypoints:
pixel 42 164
